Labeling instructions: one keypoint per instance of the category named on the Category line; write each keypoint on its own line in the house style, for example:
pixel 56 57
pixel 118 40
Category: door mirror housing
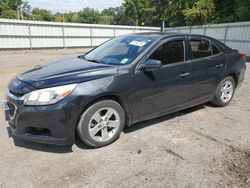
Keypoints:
pixel 150 65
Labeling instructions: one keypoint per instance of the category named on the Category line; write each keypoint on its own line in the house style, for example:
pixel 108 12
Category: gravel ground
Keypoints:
pixel 203 146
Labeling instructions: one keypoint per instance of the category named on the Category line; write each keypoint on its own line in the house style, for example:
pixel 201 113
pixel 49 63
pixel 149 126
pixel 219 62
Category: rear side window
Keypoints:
pixel 215 49
pixel 200 48
pixel 170 52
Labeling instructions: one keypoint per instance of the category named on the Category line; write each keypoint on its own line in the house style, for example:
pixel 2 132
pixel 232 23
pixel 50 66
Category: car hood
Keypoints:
pixel 68 71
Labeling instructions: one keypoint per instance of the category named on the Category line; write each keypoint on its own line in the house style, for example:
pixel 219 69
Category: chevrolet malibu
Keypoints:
pixel 127 79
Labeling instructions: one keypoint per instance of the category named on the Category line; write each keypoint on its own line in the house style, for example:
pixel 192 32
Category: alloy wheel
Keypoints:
pixel 227 91
pixel 104 124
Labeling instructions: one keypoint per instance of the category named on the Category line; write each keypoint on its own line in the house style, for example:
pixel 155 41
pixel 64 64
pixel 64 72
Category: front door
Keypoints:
pixel 168 87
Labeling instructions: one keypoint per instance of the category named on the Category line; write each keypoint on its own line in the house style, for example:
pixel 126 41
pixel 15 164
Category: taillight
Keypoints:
pixel 243 57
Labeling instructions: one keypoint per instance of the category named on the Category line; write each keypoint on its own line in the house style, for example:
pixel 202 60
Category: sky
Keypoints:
pixel 73 5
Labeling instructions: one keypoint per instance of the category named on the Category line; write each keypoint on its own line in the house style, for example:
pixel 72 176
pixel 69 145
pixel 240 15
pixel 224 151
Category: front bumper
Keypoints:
pixel 40 138
pixel 51 124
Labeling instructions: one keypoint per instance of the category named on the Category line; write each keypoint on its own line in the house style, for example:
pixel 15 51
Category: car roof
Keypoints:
pixel 162 35
pixel 169 34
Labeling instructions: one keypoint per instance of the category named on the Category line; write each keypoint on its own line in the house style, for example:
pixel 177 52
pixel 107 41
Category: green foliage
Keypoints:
pixel 8 8
pixel 6 11
pixel 109 12
pixel 59 17
pixel 42 15
pixel 108 16
pixel 141 12
pixel 232 11
pixel 202 12
pixel 242 10
pixel 121 18
pixel 89 15
pixel 106 19
pixel 72 17
pixel 170 11
pixel 225 11
pixel 75 17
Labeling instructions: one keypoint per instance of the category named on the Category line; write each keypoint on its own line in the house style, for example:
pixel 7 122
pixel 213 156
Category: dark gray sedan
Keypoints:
pixel 125 80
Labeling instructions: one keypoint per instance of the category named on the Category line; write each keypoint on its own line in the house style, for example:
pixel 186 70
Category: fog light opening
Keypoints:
pixel 38 131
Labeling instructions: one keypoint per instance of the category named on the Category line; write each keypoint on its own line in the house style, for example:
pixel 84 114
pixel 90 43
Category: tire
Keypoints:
pixel 221 98
pixel 101 124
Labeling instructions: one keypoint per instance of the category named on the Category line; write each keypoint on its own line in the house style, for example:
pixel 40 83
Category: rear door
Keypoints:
pixel 208 64
pixel 219 59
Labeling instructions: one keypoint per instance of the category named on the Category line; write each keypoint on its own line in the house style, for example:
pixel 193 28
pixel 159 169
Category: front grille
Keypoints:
pixel 12 108
pixel 16 93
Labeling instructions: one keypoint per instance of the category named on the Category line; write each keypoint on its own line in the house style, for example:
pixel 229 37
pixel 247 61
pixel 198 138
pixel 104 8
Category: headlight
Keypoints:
pixel 49 95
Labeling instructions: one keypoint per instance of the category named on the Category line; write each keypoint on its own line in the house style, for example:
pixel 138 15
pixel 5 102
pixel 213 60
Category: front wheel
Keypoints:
pixel 224 92
pixel 101 124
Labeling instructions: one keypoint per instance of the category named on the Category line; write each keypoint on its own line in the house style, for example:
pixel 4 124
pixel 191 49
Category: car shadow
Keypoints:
pixel 128 129
pixel 80 144
pixel 144 124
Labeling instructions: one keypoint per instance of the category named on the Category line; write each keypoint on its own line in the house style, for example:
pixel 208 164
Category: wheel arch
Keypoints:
pixel 234 76
pixel 113 97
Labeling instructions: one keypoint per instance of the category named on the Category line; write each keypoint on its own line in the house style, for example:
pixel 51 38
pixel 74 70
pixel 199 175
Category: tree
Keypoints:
pixel 59 17
pixel 232 11
pixel 169 11
pixel 202 12
pixel 107 16
pixel 89 15
pixel 242 10
pixel 120 17
pixel 109 12
pixel 42 15
pixel 6 12
pixel 108 20
pixel 139 11
pixel 75 17
pixel 225 11
pixel 71 17
pixel 8 8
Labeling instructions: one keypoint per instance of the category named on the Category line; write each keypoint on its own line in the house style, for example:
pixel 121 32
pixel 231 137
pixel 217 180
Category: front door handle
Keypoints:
pixel 185 74
pixel 219 66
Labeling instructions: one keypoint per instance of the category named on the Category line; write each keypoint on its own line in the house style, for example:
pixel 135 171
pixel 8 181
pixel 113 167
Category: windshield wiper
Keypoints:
pixel 92 60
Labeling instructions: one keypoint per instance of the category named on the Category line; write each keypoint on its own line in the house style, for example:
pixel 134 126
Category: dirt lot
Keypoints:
pixel 200 147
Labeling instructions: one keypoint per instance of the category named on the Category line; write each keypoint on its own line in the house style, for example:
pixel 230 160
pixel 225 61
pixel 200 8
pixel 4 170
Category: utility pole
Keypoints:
pixel 18 16
pixel 21 10
pixel 163 26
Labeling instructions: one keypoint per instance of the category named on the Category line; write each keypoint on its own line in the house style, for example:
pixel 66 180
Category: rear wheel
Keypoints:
pixel 224 92
pixel 101 124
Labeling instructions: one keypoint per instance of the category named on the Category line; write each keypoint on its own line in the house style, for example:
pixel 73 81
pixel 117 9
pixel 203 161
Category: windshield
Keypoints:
pixel 121 50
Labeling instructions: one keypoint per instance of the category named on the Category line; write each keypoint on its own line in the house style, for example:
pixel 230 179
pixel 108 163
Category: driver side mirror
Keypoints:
pixel 150 65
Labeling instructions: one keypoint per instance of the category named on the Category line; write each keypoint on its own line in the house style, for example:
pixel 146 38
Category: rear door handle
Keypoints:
pixel 185 74
pixel 219 66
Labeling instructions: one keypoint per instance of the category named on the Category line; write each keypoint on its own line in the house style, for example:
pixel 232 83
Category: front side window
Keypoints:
pixel 170 52
pixel 200 48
